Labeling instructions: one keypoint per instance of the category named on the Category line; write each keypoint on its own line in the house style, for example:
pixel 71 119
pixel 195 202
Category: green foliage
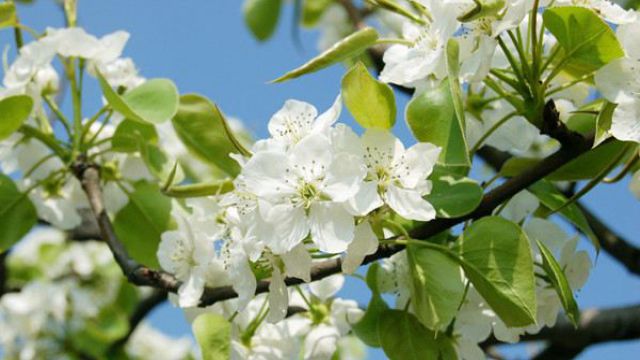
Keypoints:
pixel 497 260
pixel 130 136
pixel 437 287
pixel 98 333
pixel 553 199
pixel 403 337
pixel 17 213
pixel 261 16
pixel 587 41
pixel 8 15
pixel 142 221
pixel 367 328
pixel 344 49
pixel 371 102
pixel 560 283
pixel 431 116
pixel 453 195
pixel 312 11
pixel 14 111
pixel 603 123
pixel 201 127
pixel 155 101
pixel 213 333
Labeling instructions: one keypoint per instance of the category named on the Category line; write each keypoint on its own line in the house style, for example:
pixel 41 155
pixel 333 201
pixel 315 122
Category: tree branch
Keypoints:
pixel 144 308
pixel 596 326
pixel 3 272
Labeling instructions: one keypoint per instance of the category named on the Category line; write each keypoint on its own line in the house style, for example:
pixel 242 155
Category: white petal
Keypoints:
pixel 331 226
pixel 364 242
pixel 265 173
pixel 381 147
pixel 312 156
pixel 297 263
pixel 418 163
pixel 546 232
pixel 191 290
pixel 329 117
pixel 321 343
pixel 344 139
pixel 293 121
pixel 625 124
pixel 327 287
pixel 242 279
pixel 409 204
pixel 627 34
pixel 365 200
pixel 344 177
pixel 619 80
pixel 278 297
pixel 289 226
pixel 520 206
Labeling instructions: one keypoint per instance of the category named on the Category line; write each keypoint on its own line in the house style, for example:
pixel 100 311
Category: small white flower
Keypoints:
pixel 396 176
pixel 297 119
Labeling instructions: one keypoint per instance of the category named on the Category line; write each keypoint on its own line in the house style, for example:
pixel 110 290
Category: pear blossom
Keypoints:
pixel 188 252
pixel 396 176
pixel 619 82
pixel 303 192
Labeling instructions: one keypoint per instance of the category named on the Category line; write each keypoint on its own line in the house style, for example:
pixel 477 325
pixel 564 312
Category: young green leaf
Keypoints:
pixel 371 102
pixel 142 221
pixel 453 195
pixel 344 49
pixel 560 283
pixel 497 260
pixel 14 110
pixel 261 16
pixel 431 116
pixel 587 41
pixel 367 328
pixel 155 101
pixel 436 286
pixel 200 126
pixel 160 164
pixel 131 135
pixel 17 213
pixel 200 189
pixel 403 337
pixel 213 333
pixel 603 123
pixel 8 15
pixel 312 11
pixel 552 198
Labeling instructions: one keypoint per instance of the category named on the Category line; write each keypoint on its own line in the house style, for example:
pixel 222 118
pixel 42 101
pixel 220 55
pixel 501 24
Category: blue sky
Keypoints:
pixel 204 47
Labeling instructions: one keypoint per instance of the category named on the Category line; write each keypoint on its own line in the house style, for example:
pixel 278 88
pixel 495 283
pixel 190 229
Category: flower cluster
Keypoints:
pixel 59 291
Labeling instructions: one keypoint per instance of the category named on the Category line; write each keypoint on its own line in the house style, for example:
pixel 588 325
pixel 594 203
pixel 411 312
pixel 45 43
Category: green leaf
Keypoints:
pixel 436 286
pixel 155 101
pixel 100 332
pixel 560 283
pixel 160 164
pixel 453 71
pixel 403 337
pixel 453 195
pixel 587 41
pixel 367 328
pixel 213 333
pixel 131 135
pixel 8 15
pixel 14 110
pixel 344 49
pixel 200 126
pixel 603 123
pixel 200 189
pixel 142 221
pixel 371 102
pixel 552 198
pixel 497 260
pixel 261 16
pixel 431 116
pixel 312 11
pixel 17 213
